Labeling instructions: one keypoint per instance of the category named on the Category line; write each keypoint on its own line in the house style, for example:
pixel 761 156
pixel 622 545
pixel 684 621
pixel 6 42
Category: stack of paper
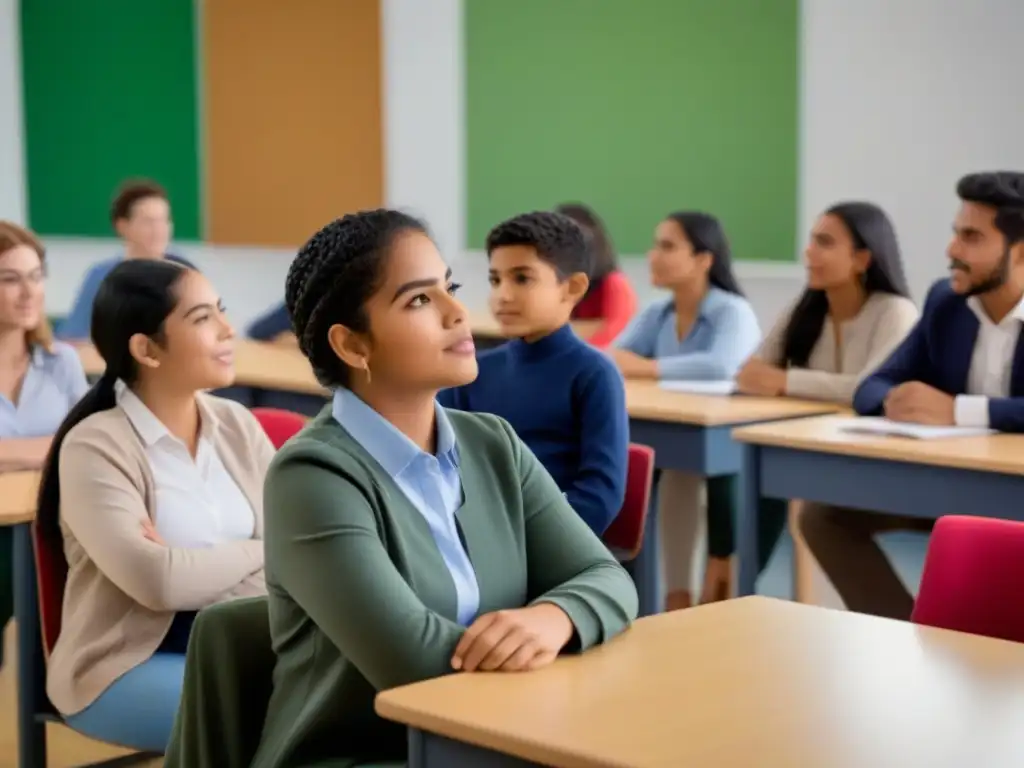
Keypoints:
pixel 876 425
pixel 700 387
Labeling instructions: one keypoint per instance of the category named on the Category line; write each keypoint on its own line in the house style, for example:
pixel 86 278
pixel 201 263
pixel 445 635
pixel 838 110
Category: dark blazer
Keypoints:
pixel 937 352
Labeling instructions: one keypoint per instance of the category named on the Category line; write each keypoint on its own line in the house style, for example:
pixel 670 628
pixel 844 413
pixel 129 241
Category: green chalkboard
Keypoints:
pixel 109 93
pixel 639 108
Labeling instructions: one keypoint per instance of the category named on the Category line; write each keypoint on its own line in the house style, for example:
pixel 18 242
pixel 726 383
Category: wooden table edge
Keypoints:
pixel 877 451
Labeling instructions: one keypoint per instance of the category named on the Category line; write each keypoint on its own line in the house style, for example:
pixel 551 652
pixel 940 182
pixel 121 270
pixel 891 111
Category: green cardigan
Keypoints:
pixel 360 597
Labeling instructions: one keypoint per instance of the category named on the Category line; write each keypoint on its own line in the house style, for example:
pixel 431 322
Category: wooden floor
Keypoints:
pixel 66 748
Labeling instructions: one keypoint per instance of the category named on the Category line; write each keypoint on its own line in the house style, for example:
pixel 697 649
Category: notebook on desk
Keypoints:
pixel 877 425
pixel 727 387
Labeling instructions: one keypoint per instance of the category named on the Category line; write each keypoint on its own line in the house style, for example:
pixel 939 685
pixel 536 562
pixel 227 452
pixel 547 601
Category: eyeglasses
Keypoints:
pixel 9 278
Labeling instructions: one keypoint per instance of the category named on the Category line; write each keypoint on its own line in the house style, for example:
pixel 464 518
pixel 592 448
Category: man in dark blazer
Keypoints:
pixel 962 364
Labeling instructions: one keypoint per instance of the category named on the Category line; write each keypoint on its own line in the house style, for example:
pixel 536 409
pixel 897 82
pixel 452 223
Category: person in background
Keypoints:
pixel 564 399
pixel 406 541
pixel 274 325
pixel 609 298
pixel 40 379
pixel 141 216
pixel 962 364
pixel 154 489
pixel 854 311
pixel 704 331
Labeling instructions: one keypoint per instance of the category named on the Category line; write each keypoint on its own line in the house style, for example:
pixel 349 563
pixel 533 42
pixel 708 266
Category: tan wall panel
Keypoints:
pixel 292 108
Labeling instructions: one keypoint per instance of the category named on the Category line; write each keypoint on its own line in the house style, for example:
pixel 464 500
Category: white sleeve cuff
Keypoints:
pixel 971 411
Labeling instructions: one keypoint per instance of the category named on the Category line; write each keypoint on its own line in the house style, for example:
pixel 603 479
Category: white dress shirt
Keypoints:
pixel 198 503
pixel 991 364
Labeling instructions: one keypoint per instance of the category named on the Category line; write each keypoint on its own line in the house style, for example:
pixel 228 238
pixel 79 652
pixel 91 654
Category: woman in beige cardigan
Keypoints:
pixel 854 311
pixel 155 491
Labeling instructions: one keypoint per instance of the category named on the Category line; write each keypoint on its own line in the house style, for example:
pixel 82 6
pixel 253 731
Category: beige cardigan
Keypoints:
pixel 867 340
pixel 123 590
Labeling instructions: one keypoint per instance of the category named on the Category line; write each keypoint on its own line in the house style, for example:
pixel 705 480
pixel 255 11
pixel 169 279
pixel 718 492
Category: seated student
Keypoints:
pixel 155 489
pixel 40 379
pixel 405 541
pixel 610 298
pixel 704 331
pixel 852 314
pixel 273 325
pixel 141 215
pixel 961 364
pixel 563 398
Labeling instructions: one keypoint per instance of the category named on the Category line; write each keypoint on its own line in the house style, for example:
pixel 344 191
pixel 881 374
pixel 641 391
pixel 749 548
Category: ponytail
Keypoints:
pixel 101 397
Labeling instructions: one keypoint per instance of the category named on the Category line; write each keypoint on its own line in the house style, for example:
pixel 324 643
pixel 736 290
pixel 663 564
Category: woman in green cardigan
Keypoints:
pixel 405 541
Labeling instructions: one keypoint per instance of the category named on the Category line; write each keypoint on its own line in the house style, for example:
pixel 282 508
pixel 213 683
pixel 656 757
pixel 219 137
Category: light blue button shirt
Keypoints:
pixel 431 483
pixel 53 384
pixel 724 335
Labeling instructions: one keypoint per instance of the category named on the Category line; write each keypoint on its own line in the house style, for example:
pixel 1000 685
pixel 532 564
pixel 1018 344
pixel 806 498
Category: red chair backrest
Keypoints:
pixel 280 425
pixel 973 578
pixel 626 533
pixel 51 575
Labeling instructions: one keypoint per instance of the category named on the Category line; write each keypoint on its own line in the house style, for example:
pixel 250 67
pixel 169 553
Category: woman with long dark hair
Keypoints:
pixel 154 490
pixel 703 331
pixel 854 311
pixel 610 297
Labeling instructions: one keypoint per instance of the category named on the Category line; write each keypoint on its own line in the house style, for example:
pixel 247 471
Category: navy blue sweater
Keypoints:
pixel 271 324
pixel 567 402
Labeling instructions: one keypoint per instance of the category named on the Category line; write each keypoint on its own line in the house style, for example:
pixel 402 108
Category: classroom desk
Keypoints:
pixel 257 364
pixel 813 459
pixel 18 509
pixel 747 682
pixel 484 326
pixel 693 433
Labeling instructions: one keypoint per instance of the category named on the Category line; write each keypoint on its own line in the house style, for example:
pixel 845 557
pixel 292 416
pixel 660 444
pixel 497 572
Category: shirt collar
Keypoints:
pixel 148 426
pixel 379 437
pixel 552 344
pixel 1017 313
pixel 37 356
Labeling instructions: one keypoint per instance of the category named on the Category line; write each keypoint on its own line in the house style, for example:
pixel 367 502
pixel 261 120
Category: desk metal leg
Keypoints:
pixel 746 539
pixel 646 566
pixel 427 750
pixel 31 672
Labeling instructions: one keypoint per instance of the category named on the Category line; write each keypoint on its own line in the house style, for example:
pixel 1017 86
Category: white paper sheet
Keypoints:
pixel 877 425
pixel 700 387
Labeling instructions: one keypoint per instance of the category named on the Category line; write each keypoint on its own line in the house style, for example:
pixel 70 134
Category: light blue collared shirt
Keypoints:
pixel 724 335
pixel 431 483
pixel 53 384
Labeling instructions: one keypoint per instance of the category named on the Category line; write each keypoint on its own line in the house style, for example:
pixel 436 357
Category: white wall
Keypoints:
pixel 424 123
pixel 898 100
pixel 12 170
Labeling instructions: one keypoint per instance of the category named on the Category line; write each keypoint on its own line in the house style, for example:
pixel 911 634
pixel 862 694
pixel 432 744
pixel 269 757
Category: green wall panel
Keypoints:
pixel 109 93
pixel 638 107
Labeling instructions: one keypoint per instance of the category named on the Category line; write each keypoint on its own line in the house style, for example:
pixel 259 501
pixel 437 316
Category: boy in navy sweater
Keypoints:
pixel 564 398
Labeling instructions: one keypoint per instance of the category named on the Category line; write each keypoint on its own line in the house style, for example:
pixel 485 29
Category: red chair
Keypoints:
pixel 35 710
pixel 625 535
pixel 51 575
pixel 280 425
pixel 974 578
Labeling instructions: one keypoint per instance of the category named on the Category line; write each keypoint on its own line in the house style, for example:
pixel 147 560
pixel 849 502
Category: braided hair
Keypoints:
pixel 332 278
pixel 555 237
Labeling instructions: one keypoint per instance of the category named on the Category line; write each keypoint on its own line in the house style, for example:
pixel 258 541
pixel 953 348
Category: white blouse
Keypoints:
pixel 198 503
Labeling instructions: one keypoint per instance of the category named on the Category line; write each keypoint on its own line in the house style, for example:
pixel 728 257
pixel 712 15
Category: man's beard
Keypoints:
pixel 997 279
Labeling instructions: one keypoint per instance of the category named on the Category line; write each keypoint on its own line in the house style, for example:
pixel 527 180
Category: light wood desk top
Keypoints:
pixel 749 682
pixel 647 400
pixel 257 364
pixel 994 453
pixel 485 326
pixel 18 497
